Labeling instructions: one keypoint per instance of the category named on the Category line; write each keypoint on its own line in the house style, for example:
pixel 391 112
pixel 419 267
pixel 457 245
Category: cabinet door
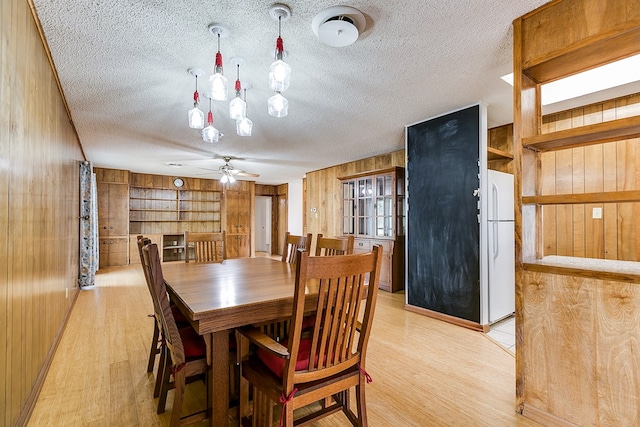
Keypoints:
pixel 365 206
pixel 238 210
pixel 349 208
pixel 384 210
pixel 114 251
pixel 237 246
pixel 113 209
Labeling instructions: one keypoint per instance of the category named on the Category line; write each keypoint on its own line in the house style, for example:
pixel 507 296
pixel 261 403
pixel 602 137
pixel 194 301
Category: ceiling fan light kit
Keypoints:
pixel 338 26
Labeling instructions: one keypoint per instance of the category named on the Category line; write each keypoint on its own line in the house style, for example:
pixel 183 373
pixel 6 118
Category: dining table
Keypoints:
pixel 218 297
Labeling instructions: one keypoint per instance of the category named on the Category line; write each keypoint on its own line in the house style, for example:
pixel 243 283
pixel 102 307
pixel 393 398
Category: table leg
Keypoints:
pixel 218 379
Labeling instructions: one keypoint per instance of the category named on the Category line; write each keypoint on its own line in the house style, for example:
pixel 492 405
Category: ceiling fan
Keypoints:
pixel 229 173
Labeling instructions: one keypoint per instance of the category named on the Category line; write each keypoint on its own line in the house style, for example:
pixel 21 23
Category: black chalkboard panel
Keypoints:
pixel 443 259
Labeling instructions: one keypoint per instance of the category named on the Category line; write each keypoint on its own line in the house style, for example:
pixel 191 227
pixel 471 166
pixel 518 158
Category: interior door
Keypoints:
pixel 263 223
pixel 443 242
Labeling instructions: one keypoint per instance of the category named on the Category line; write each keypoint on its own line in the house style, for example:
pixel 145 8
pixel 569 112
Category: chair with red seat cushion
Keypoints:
pixel 185 351
pixel 157 346
pixel 328 360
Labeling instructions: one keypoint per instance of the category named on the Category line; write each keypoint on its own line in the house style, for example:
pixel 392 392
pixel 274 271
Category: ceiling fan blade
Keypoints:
pixel 243 173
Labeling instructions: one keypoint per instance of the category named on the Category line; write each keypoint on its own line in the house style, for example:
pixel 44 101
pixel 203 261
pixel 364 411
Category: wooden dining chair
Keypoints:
pixel 157 341
pixel 327 246
pixel 291 245
pixel 185 350
pixel 207 247
pixel 330 360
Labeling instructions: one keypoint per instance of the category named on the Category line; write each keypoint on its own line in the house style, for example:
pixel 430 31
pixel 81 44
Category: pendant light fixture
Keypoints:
pixel 237 107
pixel 278 105
pixel 280 71
pixel 243 124
pixel 196 116
pixel 217 81
pixel 210 134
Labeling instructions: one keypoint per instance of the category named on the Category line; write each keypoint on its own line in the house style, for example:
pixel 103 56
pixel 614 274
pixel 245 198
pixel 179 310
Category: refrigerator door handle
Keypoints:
pixel 496 246
pixel 496 196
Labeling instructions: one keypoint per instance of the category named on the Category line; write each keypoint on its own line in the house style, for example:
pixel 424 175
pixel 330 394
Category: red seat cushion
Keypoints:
pixel 193 343
pixel 178 316
pixel 276 364
pixel 308 322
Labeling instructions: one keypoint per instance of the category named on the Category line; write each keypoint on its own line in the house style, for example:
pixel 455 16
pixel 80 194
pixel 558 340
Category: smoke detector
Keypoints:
pixel 338 26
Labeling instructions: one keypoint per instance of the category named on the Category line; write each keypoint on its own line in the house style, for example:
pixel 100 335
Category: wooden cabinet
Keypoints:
pixel 113 209
pixel 374 211
pixel 114 251
pixel 392 269
pixel 113 223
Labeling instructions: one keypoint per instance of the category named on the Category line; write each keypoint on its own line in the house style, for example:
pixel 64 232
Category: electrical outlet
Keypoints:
pixel 597 213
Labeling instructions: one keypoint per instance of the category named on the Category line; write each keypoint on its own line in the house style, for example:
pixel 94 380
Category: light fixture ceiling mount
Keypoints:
pixel 280 12
pixel 338 26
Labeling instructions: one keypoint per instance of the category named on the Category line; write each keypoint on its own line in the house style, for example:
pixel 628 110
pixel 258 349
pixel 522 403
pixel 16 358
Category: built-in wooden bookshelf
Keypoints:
pixel 156 210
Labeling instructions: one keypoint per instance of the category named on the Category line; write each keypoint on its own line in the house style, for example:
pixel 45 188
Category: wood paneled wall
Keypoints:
pixel 571 230
pixel 323 191
pixel 39 209
pixel 581 363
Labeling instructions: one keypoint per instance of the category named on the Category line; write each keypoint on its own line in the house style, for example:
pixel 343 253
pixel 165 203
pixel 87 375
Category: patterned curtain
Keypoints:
pixel 88 226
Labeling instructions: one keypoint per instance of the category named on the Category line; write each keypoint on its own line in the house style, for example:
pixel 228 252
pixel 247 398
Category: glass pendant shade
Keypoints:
pixel 244 126
pixel 279 76
pixel 196 117
pixel 210 134
pixel 218 87
pixel 237 108
pixel 278 105
pixel 227 177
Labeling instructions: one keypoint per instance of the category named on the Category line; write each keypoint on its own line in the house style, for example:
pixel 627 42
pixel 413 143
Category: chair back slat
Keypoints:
pixel 342 281
pixel 159 293
pixel 292 244
pixel 329 246
pixel 207 247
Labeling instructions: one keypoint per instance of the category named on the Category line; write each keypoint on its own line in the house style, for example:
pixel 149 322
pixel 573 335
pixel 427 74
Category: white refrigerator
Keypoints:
pixel 501 251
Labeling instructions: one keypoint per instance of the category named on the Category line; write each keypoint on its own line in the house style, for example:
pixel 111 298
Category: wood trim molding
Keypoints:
pixel 447 318
pixel 544 418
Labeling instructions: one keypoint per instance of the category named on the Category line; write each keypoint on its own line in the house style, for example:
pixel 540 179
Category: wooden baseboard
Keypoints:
pixel 544 418
pixel 447 318
pixel 30 402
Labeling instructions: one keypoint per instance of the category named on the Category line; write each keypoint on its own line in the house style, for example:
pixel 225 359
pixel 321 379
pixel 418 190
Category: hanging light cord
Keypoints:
pixel 196 95
pixel 279 42
pixel 218 58
pixel 238 85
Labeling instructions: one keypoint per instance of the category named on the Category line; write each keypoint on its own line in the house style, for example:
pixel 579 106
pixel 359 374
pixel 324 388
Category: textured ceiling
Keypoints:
pixel 123 69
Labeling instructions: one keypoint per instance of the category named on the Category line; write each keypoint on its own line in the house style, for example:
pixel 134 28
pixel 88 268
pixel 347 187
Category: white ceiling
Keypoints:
pixel 123 69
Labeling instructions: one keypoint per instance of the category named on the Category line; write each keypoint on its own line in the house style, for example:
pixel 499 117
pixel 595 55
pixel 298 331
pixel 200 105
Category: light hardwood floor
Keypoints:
pixel 425 372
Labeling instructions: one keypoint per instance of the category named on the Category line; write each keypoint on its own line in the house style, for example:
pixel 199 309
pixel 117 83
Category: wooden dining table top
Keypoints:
pixel 237 292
